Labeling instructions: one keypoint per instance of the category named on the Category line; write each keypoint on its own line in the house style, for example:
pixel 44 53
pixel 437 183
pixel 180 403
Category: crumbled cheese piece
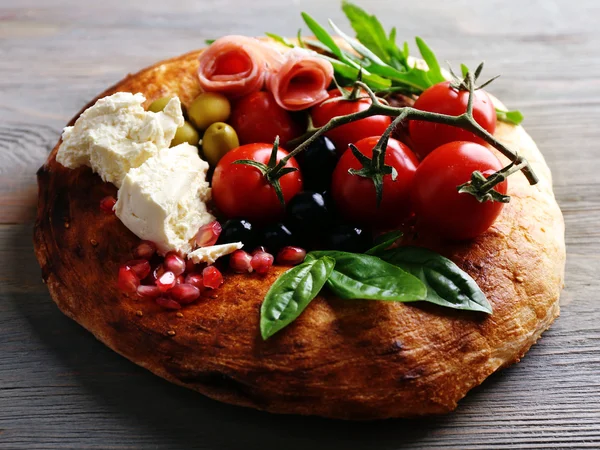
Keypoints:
pixel 210 254
pixel 163 200
pixel 117 134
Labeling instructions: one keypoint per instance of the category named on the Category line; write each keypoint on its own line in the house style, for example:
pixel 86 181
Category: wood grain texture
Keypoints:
pixel 59 388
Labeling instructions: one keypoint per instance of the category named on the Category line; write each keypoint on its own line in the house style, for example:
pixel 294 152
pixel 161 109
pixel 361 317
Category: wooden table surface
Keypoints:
pixel 60 388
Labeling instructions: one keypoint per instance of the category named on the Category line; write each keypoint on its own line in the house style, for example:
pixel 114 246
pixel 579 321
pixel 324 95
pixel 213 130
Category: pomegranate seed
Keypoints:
pixel 107 204
pixel 208 234
pixel 259 250
pixel 195 279
pixel 145 250
pixel 128 280
pixel 240 261
pixel 212 277
pixel 189 266
pixel 140 267
pixel 156 274
pixel 174 263
pixel 166 281
pixel 185 293
pixel 261 262
pixel 148 291
pixel 179 280
pixel 168 303
pixel 291 256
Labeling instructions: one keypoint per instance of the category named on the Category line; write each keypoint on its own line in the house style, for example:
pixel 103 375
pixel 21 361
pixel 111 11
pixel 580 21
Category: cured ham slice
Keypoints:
pixel 301 81
pixel 236 65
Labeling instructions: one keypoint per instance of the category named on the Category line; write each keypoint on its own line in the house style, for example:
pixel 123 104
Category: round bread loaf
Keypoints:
pixel 340 359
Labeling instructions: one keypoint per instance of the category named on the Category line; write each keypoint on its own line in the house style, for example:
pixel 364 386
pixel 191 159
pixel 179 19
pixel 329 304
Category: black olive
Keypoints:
pixel 238 230
pixel 275 236
pixel 307 213
pixel 317 163
pixel 348 238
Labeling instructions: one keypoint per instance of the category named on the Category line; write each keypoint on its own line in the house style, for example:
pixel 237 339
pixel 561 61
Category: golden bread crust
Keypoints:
pixel 351 360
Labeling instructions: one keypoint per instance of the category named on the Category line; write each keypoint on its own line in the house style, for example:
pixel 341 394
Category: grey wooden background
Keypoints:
pixel 60 388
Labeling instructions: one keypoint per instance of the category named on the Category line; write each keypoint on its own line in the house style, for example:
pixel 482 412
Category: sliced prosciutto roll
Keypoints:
pixel 236 65
pixel 301 81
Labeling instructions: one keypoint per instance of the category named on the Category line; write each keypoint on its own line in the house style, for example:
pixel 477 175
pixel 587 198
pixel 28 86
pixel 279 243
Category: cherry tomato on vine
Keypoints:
pixel 438 205
pixel 258 118
pixel 241 190
pixel 343 135
pixel 444 99
pixel 355 196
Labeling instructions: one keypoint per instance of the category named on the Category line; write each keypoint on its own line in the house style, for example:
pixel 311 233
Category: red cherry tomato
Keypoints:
pixel 241 191
pixel 355 196
pixel 444 99
pixel 352 132
pixel 438 205
pixel 258 118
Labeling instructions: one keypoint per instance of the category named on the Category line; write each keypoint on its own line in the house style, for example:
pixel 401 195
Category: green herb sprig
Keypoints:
pixel 384 66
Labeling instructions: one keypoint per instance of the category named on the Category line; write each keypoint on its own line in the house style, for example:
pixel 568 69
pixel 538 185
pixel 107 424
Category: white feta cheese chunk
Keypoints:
pixel 163 200
pixel 210 254
pixel 117 134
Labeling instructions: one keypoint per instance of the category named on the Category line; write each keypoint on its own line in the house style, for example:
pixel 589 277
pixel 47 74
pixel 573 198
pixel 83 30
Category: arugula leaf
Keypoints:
pixel 384 241
pixel 291 293
pixel 435 72
pixel 353 67
pixel 415 77
pixel 382 63
pixel 360 276
pixel 464 70
pixel 322 35
pixel 512 117
pixel 399 58
pixel 447 285
pixel 280 39
pixel 357 45
pixel 368 29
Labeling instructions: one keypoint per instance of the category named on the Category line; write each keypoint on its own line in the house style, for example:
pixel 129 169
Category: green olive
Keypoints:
pixel 208 108
pixel 185 133
pixel 218 139
pixel 159 104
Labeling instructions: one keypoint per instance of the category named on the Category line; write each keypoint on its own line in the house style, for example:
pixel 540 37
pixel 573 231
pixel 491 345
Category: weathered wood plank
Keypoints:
pixel 60 388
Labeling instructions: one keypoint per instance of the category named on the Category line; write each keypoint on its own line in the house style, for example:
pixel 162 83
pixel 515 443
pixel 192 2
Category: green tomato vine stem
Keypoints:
pixel 465 121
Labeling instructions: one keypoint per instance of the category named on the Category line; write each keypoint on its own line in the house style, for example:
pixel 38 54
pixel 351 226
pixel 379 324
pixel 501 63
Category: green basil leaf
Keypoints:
pixel 368 29
pixel 447 285
pixel 512 117
pixel 360 276
pixel 291 293
pixel 435 72
pixel 384 241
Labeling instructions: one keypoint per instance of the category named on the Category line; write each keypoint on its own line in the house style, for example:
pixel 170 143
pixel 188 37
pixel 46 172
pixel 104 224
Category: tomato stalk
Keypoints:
pixel 375 167
pixel 465 121
pixel 272 171
pixel 482 188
